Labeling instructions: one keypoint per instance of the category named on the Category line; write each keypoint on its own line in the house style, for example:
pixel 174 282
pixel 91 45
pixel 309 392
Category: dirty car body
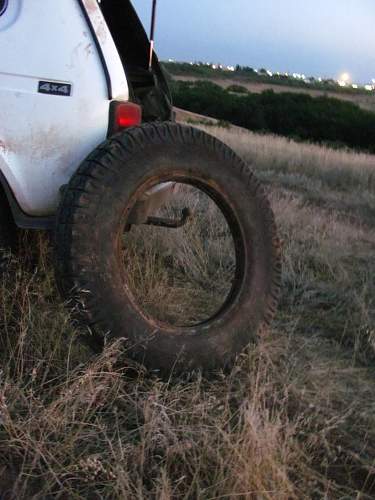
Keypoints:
pixel 64 68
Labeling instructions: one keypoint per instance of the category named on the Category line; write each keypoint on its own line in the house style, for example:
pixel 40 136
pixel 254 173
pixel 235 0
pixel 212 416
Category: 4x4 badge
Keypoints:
pixel 55 88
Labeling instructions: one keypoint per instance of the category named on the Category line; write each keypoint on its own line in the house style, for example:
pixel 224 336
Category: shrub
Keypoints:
pixel 238 89
pixel 300 116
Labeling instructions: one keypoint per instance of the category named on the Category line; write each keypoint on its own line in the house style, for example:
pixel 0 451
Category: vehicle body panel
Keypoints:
pixel 44 137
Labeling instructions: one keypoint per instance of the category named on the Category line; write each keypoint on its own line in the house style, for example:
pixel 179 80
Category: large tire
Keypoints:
pixel 92 217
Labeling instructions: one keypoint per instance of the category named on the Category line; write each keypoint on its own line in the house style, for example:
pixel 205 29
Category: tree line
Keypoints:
pixel 299 116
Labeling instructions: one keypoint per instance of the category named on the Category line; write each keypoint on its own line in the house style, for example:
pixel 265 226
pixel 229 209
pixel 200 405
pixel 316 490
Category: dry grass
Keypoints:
pixel 182 276
pixel 294 418
pixel 338 180
pixel 335 168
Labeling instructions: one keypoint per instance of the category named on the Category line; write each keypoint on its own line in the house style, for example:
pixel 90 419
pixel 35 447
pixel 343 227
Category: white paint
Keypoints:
pixel 44 138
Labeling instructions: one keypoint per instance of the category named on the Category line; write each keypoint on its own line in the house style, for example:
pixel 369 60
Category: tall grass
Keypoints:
pixel 294 418
pixel 182 276
pixel 342 181
pixel 335 168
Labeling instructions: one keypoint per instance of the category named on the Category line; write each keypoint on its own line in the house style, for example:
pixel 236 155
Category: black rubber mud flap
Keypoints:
pixel 8 232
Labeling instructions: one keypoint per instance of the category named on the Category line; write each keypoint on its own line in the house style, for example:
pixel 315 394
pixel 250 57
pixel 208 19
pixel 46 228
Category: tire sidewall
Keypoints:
pixel 98 271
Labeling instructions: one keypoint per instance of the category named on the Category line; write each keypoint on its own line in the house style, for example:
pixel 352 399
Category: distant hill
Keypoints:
pixel 362 100
pixel 299 115
pixel 257 83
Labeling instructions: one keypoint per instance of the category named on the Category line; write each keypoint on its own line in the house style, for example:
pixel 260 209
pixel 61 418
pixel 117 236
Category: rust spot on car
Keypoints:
pixel 101 32
pixel 91 6
pixel 97 19
pixel 4 147
pixel 89 49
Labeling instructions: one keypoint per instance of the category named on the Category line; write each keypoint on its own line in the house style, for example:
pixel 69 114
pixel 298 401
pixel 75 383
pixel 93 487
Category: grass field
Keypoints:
pixel 295 418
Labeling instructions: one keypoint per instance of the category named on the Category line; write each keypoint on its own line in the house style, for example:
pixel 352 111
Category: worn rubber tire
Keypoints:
pixel 92 217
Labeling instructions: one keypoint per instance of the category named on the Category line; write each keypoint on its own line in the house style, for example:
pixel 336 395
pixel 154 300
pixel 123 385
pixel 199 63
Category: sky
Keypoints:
pixel 321 38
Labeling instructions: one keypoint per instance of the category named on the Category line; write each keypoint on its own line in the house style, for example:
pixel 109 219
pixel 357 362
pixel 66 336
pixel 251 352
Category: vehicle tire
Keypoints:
pixel 92 218
pixel 8 233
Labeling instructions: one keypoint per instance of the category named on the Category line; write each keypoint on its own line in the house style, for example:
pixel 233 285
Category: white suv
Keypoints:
pixel 88 148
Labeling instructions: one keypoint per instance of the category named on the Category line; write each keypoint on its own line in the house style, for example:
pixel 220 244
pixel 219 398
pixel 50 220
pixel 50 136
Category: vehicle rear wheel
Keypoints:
pixel 94 250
